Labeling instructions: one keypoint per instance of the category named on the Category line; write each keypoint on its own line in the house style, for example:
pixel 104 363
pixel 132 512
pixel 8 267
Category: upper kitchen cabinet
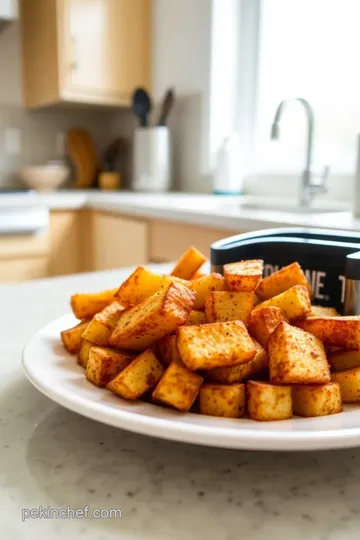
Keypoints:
pixel 85 51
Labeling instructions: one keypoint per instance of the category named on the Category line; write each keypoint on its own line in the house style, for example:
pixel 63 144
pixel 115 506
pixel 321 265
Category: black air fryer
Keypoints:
pixel 330 260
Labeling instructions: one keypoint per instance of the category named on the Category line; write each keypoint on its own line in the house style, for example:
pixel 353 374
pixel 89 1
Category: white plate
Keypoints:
pixel 56 374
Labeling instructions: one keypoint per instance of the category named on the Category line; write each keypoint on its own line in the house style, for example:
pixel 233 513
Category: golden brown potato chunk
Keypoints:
pixel 316 399
pixel 198 275
pixel 138 377
pixel 320 311
pixel 341 360
pixel 167 351
pixel 243 276
pixel 296 357
pixel 281 281
pixel 189 264
pixel 204 286
pixel 196 317
pixel 213 345
pixel 295 302
pixel 226 400
pixel 102 324
pixel 268 402
pixel 157 316
pixel 71 337
pixel 83 355
pixel 341 332
pixel 229 306
pixel 86 305
pixel 241 372
pixel 105 363
pixel 142 284
pixel 263 322
pixel 178 387
pixel 349 381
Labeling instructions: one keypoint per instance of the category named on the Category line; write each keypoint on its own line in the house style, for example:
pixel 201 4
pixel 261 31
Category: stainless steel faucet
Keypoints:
pixel 309 187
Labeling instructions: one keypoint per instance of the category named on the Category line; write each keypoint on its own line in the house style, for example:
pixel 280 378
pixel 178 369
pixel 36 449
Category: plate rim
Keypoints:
pixel 165 428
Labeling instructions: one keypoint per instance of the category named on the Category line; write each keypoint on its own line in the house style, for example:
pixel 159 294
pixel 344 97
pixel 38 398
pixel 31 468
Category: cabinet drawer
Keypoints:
pixel 169 240
pixel 13 247
pixel 23 269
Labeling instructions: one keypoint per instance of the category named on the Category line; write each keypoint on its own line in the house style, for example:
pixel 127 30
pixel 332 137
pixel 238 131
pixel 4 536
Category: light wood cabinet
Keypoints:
pixel 65 251
pixel 23 257
pixel 87 51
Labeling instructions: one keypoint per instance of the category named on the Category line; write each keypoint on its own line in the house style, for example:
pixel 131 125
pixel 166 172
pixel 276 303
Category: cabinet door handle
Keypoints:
pixel 74 57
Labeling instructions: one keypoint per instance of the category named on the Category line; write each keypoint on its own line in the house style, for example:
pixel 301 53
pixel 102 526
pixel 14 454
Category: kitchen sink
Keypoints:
pixel 291 208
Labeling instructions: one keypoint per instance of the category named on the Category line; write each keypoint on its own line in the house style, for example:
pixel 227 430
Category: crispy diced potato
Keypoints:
pixel 105 363
pixel 296 357
pixel 229 306
pixel 213 345
pixel 227 400
pixel 316 399
pixel 341 360
pixel 295 302
pixel 102 324
pixel 167 351
pixel 83 355
pixel 71 337
pixel 204 286
pixel 342 332
pixel 243 276
pixel 349 381
pixel 281 281
pixel 178 387
pixel 86 305
pixel 138 377
pixel 189 264
pixel 268 402
pixel 241 372
pixel 196 317
pixel 263 322
pixel 321 311
pixel 198 275
pixel 157 316
pixel 142 284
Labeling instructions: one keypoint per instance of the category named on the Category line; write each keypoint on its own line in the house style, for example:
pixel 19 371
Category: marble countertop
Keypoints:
pixel 222 212
pixel 165 490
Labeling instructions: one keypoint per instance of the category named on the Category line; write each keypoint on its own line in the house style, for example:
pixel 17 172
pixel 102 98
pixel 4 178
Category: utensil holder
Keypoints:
pixel 151 159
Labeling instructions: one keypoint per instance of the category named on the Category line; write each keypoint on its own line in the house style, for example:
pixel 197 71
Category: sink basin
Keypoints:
pixel 292 209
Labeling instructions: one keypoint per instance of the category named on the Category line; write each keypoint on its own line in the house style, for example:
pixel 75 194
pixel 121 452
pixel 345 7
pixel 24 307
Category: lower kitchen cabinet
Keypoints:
pixel 23 257
pixel 23 269
pixel 65 250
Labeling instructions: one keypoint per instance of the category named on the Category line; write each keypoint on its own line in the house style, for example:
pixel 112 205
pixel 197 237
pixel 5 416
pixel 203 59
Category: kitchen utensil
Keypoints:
pixel 63 381
pixel 48 177
pixel 141 105
pixel 83 155
pixel 112 152
pixel 166 106
pixel 151 159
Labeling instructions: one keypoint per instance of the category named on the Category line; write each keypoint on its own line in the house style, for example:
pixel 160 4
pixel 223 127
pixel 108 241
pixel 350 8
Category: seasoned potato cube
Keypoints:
pixel 295 302
pixel 198 275
pixel 71 338
pixel 204 286
pixel 241 372
pixel 268 402
pixel 281 281
pixel 86 305
pixel 341 360
pixel 243 276
pixel 157 316
pixel 105 363
pixel 138 377
pixel 141 284
pixel 263 322
pixel 316 399
pixel 213 345
pixel 189 264
pixel 178 387
pixel 196 317
pixel 227 400
pixel 102 324
pixel 296 357
pixel 83 355
pixel 349 381
pixel 320 311
pixel 229 306
pixel 167 351
pixel 342 332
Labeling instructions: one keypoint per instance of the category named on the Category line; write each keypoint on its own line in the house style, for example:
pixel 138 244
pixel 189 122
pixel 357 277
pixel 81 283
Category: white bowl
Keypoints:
pixel 44 177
